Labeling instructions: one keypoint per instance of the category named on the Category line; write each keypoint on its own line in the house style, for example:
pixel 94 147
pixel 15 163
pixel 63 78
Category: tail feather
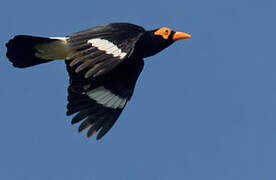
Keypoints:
pixel 25 51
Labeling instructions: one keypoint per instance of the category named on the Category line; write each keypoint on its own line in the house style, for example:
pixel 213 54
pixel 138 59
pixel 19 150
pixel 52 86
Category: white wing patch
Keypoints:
pixel 108 47
pixel 106 98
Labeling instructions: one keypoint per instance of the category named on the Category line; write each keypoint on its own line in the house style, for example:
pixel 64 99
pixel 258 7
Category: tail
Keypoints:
pixel 25 51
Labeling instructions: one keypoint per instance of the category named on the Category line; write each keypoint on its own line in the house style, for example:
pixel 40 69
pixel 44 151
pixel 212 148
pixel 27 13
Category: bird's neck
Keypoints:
pixel 149 45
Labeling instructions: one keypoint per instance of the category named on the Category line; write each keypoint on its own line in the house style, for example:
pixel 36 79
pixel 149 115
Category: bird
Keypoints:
pixel 103 64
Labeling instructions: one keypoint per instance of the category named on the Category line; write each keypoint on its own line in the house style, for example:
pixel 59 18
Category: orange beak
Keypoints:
pixel 181 35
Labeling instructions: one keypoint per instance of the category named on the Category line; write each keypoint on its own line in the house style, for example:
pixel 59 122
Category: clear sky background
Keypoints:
pixel 203 109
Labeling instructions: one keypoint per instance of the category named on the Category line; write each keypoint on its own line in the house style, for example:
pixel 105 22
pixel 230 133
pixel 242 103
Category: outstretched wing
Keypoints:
pixel 102 48
pixel 99 101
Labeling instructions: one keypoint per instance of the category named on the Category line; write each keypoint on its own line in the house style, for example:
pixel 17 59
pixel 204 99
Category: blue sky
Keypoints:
pixel 202 109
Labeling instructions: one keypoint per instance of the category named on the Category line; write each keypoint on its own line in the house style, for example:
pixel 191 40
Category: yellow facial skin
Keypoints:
pixel 166 32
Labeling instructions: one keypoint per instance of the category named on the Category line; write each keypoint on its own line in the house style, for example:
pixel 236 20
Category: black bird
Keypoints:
pixel 103 63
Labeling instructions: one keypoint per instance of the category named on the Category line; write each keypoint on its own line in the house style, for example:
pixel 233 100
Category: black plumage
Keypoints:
pixel 22 47
pixel 103 64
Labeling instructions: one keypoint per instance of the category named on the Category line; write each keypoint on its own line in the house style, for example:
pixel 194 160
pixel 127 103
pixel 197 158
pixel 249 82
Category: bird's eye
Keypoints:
pixel 164 32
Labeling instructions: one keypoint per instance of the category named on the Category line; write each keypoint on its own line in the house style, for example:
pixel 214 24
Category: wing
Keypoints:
pixel 99 101
pixel 101 49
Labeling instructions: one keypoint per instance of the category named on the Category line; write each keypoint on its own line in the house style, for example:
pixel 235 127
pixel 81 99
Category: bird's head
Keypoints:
pixel 156 40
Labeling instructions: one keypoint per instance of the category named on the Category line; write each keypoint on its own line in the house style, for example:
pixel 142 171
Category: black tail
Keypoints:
pixel 21 50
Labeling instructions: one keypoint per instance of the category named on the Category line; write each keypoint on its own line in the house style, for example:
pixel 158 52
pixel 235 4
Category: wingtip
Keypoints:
pixel 98 138
pixel 85 124
pixel 91 132
pixel 74 120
